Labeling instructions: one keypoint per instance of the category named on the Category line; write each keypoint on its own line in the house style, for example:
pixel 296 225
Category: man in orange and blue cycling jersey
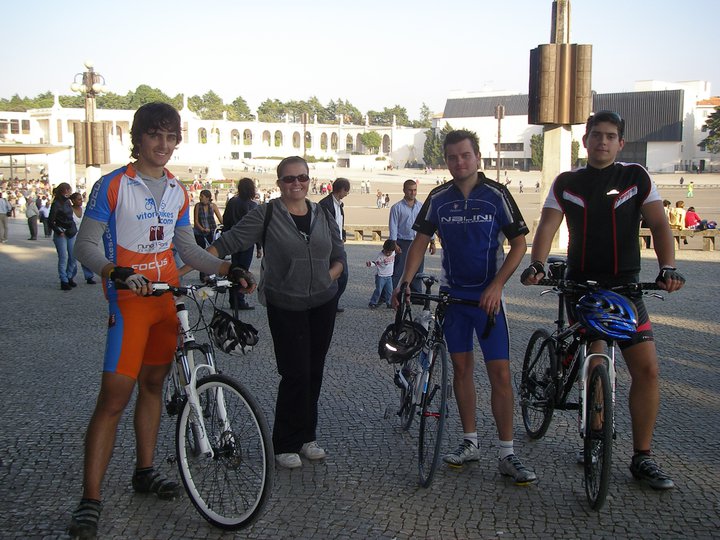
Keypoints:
pixel 140 212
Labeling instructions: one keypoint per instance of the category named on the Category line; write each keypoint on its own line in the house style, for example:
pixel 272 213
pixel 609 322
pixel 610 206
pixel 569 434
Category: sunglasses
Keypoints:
pixel 289 179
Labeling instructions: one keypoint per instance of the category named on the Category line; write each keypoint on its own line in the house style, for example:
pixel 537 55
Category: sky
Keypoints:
pixel 373 53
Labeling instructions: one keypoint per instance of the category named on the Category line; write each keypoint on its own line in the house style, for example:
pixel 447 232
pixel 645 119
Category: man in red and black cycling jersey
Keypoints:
pixel 135 215
pixel 603 204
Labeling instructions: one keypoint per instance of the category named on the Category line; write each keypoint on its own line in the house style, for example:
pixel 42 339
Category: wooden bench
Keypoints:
pixel 375 232
pixel 708 236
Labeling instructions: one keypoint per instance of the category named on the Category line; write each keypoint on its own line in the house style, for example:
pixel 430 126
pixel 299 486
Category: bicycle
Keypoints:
pixel 553 363
pixel 417 348
pixel 224 450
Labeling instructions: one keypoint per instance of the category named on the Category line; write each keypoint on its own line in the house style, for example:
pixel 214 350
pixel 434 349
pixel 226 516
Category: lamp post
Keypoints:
pixel 91 147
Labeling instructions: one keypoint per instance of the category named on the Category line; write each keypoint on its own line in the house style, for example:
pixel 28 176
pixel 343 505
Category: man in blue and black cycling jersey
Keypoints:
pixel 603 204
pixel 473 216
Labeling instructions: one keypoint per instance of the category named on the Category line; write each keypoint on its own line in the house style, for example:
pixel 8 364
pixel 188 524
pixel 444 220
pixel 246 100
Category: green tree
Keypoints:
pixel 425 118
pixel 238 110
pixel 574 153
pixel 371 140
pixel 209 106
pixel 711 143
pixel 144 94
pixel 271 110
pixel 350 113
pixel 433 154
pixel 537 143
pixel 73 102
pixel 112 100
pixel 385 117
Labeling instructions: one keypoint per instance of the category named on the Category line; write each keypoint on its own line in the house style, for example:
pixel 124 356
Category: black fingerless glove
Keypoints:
pixel 121 273
pixel 535 268
pixel 670 274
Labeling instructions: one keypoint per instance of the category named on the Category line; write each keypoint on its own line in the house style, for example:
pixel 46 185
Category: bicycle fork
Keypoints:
pixel 608 360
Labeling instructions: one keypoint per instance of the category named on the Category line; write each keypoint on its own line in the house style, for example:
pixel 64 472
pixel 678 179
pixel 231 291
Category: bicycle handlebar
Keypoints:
pixel 568 286
pixel 159 288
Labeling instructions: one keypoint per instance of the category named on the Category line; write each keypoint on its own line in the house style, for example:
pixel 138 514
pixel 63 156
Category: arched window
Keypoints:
pixel 358 143
pixel 247 137
pixel 308 140
pixel 333 141
pixel 323 141
pixel 119 133
pixel 266 138
pixel 349 143
pixel 296 139
pixel 215 133
pixel 202 136
pixel 278 139
pixel 234 137
pixel 386 144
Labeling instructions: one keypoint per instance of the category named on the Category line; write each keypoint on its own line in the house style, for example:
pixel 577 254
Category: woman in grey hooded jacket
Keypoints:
pixel 303 255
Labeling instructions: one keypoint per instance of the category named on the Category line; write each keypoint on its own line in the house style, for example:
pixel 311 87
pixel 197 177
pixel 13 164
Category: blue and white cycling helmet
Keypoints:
pixel 607 314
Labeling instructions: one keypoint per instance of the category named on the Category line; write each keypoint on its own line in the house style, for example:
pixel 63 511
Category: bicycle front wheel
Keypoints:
pixel 537 387
pixel 227 469
pixel 598 436
pixel 407 405
pixel 433 411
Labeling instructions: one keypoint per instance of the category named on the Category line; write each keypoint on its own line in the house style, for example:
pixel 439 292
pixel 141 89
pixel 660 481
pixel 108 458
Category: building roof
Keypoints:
pixel 713 101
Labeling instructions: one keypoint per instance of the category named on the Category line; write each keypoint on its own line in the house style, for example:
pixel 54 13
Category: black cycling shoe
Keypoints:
pixel 149 481
pixel 84 521
pixel 644 468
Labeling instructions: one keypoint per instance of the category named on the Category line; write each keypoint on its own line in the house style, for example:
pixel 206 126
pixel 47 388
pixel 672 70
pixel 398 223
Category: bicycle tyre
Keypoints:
pixel 231 489
pixel 407 403
pixel 598 442
pixel 537 387
pixel 433 411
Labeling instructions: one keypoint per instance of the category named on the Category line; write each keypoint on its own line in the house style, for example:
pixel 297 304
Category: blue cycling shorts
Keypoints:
pixel 461 321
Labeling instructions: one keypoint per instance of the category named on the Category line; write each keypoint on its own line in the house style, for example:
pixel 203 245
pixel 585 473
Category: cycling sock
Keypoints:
pixel 472 437
pixel 639 453
pixel 144 471
pixel 506 449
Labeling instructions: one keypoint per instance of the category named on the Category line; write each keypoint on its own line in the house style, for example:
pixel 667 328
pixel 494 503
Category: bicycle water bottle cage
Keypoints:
pixel 232 335
pixel 400 343
pixel 607 314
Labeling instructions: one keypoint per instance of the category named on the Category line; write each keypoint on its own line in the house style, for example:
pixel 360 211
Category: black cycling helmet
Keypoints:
pixel 608 314
pixel 401 341
pixel 231 335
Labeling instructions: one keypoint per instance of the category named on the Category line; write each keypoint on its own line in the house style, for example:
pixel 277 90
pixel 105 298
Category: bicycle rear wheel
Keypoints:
pixel 537 387
pixel 231 487
pixel 433 411
pixel 598 436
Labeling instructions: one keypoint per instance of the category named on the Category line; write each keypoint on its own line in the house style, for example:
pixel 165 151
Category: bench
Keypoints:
pixel 376 232
pixel 708 236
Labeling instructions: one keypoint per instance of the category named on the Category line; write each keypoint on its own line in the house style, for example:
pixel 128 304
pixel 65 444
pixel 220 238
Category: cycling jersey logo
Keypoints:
pixel 459 220
pixel 157 232
pixel 629 194
pixel 151 265
pixel 149 204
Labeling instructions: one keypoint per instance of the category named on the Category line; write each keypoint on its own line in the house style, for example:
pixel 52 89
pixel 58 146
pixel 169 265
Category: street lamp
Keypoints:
pixel 91 146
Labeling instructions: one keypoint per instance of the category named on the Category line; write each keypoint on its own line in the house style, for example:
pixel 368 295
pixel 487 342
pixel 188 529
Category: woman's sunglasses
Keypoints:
pixel 289 179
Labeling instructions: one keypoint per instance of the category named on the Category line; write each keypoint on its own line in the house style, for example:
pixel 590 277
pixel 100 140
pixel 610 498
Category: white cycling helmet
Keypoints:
pixel 232 335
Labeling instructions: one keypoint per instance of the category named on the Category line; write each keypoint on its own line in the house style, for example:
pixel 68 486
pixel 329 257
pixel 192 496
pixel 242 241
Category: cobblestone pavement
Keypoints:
pixel 52 342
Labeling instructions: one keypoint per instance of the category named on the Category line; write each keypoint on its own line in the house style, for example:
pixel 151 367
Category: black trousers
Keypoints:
pixel 301 340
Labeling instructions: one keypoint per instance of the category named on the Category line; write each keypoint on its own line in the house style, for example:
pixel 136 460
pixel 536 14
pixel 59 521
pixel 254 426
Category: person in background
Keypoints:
pixel 333 204
pixel 384 264
pixel 205 213
pixel 5 212
pixel 64 231
pixel 693 221
pixel 236 209
pixel 32 213
pixel 45 218
pixel 402 217
pixel 76 199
